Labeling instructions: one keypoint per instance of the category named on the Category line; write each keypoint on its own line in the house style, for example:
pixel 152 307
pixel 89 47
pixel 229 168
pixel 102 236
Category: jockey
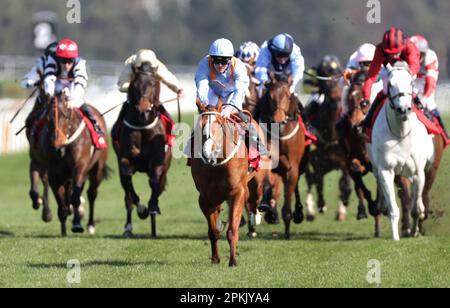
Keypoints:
pixel 329 66
pixel 220 75
pixel 35 76
pixel 393 48
pixel 143 60
pixel 248 53
pixel 425 84
pixel 281 55
pixel 359 61
pixel 66 72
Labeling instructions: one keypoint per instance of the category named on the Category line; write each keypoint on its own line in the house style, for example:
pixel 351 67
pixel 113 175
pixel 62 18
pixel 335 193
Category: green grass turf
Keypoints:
pixel 324 253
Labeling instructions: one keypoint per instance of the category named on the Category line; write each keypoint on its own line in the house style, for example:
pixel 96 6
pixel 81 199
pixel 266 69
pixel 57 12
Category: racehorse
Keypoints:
pixel 401 146
pixel 65 149
pixel 277 107
pixel 37 171
pixel 251 97
pixel 328 154
pixel 142 148
pixel 358 162
pixel 219 167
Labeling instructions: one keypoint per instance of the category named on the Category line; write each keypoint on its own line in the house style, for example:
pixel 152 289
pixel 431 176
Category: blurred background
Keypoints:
pixel 180 32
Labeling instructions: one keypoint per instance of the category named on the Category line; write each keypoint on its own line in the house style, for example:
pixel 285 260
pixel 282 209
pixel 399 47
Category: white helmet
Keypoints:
pixel 146 56
pixel 248 52
pixel 221 48
pixel 365 53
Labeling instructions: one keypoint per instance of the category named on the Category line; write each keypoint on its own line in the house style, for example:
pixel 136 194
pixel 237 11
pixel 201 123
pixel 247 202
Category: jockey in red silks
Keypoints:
pixel 393 48
pixel 66 72
pixel 425 84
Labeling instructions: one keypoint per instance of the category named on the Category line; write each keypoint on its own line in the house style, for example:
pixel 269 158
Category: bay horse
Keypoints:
pixel 37 170
pixel 251 97
pixel 401 146
pixel 219 167
pixel 357 157
pixel 328 154
pixel 287 145
pixel 142 148
pixel 66 151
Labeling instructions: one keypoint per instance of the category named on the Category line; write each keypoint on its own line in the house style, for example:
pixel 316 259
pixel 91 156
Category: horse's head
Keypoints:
pixel 212 125
pixel 143 96
pixel 400 90
pixel 61 119
pixel 357 105
pixel 279 96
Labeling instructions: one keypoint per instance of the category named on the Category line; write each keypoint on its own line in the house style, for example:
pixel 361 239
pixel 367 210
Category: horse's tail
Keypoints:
pixel 107 172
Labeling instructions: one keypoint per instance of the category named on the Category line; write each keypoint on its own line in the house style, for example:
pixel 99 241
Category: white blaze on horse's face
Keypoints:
pixel 400 92
pixel 212 150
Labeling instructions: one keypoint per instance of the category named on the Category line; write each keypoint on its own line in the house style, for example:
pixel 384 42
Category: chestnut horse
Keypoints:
pixel 287 145
pixel 220 172
pixel 65 150
pixel 142 148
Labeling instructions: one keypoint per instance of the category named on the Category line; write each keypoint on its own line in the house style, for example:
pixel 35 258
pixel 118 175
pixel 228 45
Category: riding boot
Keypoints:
pixel 369 117
pixel 114 130
pixel 437 115
pixel 88 113
pixel 253 134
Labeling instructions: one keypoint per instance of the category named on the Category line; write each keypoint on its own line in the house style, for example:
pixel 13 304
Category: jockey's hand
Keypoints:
pixel 30 84
pixel 260 89
pixel 227 111
pixel 180 93
pixel 420 102
pixel 292 89
pixel 49 88
pixel 66 92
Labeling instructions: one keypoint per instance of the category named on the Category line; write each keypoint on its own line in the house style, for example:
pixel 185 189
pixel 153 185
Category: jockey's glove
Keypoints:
pixel 49 88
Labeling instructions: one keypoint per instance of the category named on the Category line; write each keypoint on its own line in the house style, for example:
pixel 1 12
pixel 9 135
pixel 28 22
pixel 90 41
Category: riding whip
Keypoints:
pixel 23 105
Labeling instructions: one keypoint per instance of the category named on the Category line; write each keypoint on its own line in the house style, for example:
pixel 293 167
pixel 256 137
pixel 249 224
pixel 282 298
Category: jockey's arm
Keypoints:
pixel 79 84
pixel 372 75
pixel 262 66
pixel 34 75
pixel 242 83
pixel 202 81
pixel 50 76
pixel 298 67
pixel 168 78
pixel 432 73
pixel 413 59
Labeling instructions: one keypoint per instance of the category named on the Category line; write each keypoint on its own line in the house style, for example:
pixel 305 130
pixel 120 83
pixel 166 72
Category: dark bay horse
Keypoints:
pixel 142 148
pixel 37 170
pixel 220 172
pixel 327 155
pixel 65 150
pixel 288 146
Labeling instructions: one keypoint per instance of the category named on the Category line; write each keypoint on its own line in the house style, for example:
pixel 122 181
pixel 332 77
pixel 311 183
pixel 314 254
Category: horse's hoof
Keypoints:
pixel 215 260
pixel 77 229
pixel 298 217
pixel 47 217
pixel 340 217
pixel 287 236
pixel 252 235
pixel 154 210
pixel 323 209
pixel 310 217
pixel 233 263
pixel 406 233
pixel 91 230
pixel 127 234
pixel 361 215
pixel 38 203
pixel 142 212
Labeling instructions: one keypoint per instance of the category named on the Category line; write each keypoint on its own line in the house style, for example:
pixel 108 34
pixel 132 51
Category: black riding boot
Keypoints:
pixel 123 112
pixel 253 134
pixel 368 119
pixel 88 113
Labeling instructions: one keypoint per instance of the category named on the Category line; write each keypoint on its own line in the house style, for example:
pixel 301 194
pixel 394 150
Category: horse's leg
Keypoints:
pixel 256 194
pixel 360 193
pixel 212 214
pixel 298 213
pixel 271 215
pixel 131 199
pixel 236 209
pixel 418 208
pixel 311 212
pixel 345 192
pixel 403 193
pixel 75 199
pixel 386 178
pixel 290 182
pixel 34 190
pixel 96 176
pixel 46 212
pixel 155 185
pixel 60 195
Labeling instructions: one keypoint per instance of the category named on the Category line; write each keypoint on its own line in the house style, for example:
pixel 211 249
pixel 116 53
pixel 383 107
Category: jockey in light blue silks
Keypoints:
pixel 221 75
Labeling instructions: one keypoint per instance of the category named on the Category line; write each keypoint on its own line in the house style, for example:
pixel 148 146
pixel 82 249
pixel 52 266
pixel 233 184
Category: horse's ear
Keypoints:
pixel 201 108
